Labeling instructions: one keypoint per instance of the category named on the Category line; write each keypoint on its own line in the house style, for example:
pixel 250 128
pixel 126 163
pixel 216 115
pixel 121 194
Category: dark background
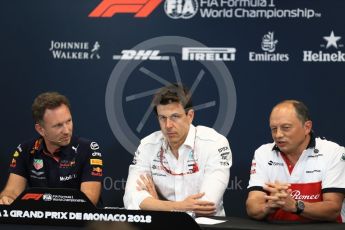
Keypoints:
pixel 28 68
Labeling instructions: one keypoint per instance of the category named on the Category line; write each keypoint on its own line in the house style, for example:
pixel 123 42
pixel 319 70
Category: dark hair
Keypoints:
pixel 47 100
pixel 301 110
pixel 174 93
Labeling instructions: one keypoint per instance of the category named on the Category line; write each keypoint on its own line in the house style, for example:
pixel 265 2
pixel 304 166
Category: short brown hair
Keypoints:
pixel 174 93
pixel 47 100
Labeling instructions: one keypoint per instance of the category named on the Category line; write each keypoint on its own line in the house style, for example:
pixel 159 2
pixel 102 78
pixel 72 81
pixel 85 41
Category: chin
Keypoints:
pixel 64 143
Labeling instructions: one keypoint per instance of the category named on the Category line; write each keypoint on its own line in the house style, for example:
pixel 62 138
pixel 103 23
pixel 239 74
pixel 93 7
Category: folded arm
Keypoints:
pixel 191 203
pixel 92 189
pixel 326 210
pixel 14 187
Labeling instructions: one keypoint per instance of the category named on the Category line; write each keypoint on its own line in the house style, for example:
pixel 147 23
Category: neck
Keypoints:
pixel 174 146
pixel 51 148
pixel 174 149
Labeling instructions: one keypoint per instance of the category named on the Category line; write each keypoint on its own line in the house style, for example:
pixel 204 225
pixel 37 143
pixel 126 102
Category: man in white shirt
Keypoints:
pixel 298 177
pixel 181 167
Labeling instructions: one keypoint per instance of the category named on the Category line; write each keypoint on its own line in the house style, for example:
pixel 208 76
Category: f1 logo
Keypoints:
pixel 141 8
pixel 33 196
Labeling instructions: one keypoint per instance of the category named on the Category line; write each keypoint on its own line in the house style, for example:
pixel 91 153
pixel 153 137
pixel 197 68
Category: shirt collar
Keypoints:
pixel 190 139
pixel 62 150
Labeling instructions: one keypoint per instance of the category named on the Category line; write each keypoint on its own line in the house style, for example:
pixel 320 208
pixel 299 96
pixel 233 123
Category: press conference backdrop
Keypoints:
pixel 239 58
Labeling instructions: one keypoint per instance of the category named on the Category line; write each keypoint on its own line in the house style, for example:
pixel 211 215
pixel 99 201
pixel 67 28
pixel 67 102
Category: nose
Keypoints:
pixel 168 123
pixel 278 133
pixel 66 128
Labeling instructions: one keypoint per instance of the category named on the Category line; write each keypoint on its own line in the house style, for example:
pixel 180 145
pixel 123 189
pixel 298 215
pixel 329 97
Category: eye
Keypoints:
pixel 58 125
pixel 175 117
pixel 162 118
pixel 273 129
pixel 286 128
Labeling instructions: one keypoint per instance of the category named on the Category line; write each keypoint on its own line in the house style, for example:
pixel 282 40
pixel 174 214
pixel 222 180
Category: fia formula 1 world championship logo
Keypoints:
pixel 134 81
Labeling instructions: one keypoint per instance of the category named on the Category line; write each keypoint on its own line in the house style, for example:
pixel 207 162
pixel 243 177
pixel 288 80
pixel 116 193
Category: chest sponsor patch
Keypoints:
pixel 68 177
pixel 13 163
pixel 309 192
pixel 96 154
pixel 16 154
pixel 38 164
pixel 40 173
pixel 96 162
pixel 66 163
pixel 94 146
pixel 96 171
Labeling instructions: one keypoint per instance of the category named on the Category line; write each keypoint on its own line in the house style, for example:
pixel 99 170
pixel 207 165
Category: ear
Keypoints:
pixel 39 129
pixel 308 125
pixel 190 115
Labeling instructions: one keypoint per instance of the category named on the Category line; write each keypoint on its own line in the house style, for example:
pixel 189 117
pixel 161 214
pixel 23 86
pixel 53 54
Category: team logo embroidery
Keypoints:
pixel 96 162
pixel 13 163
pixel 94 146
pixel 66 163
pixel 96 171
pixel 16 154
pixel 75 148
pixel 38 164
pixel 36 146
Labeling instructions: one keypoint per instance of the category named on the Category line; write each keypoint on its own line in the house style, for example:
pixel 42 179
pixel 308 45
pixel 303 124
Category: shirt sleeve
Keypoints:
pixel 334 176
pixel 18 164
pixel 258 176
pixel 141 165
pixel 93 167
pixel 217 172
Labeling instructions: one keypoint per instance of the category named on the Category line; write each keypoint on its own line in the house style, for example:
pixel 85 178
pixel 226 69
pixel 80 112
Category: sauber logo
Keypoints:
pixel 32 196
pixel 141 8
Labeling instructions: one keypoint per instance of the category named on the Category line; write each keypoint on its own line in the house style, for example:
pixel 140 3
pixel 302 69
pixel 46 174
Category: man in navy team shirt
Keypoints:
pixel 57 158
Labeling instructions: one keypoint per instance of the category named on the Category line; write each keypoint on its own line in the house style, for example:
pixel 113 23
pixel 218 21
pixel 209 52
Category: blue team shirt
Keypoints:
pixel 73 164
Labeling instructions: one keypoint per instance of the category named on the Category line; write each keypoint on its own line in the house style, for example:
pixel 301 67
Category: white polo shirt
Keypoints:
pixel 204 160
pixel 320 169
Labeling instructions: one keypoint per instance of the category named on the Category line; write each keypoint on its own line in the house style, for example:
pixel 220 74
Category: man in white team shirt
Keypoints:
pixel 181 167
pixel 298 177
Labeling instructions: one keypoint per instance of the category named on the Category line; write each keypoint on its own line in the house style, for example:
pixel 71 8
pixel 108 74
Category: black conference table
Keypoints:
pixel 246 223
pixel 231 223
pixel 66 209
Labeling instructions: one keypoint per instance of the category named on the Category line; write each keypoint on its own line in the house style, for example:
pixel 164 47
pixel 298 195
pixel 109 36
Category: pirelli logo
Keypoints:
pixel 208 53
pixel 96 162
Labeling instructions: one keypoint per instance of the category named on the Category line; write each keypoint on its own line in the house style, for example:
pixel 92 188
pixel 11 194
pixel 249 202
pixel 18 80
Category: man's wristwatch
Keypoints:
pixel 299 207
